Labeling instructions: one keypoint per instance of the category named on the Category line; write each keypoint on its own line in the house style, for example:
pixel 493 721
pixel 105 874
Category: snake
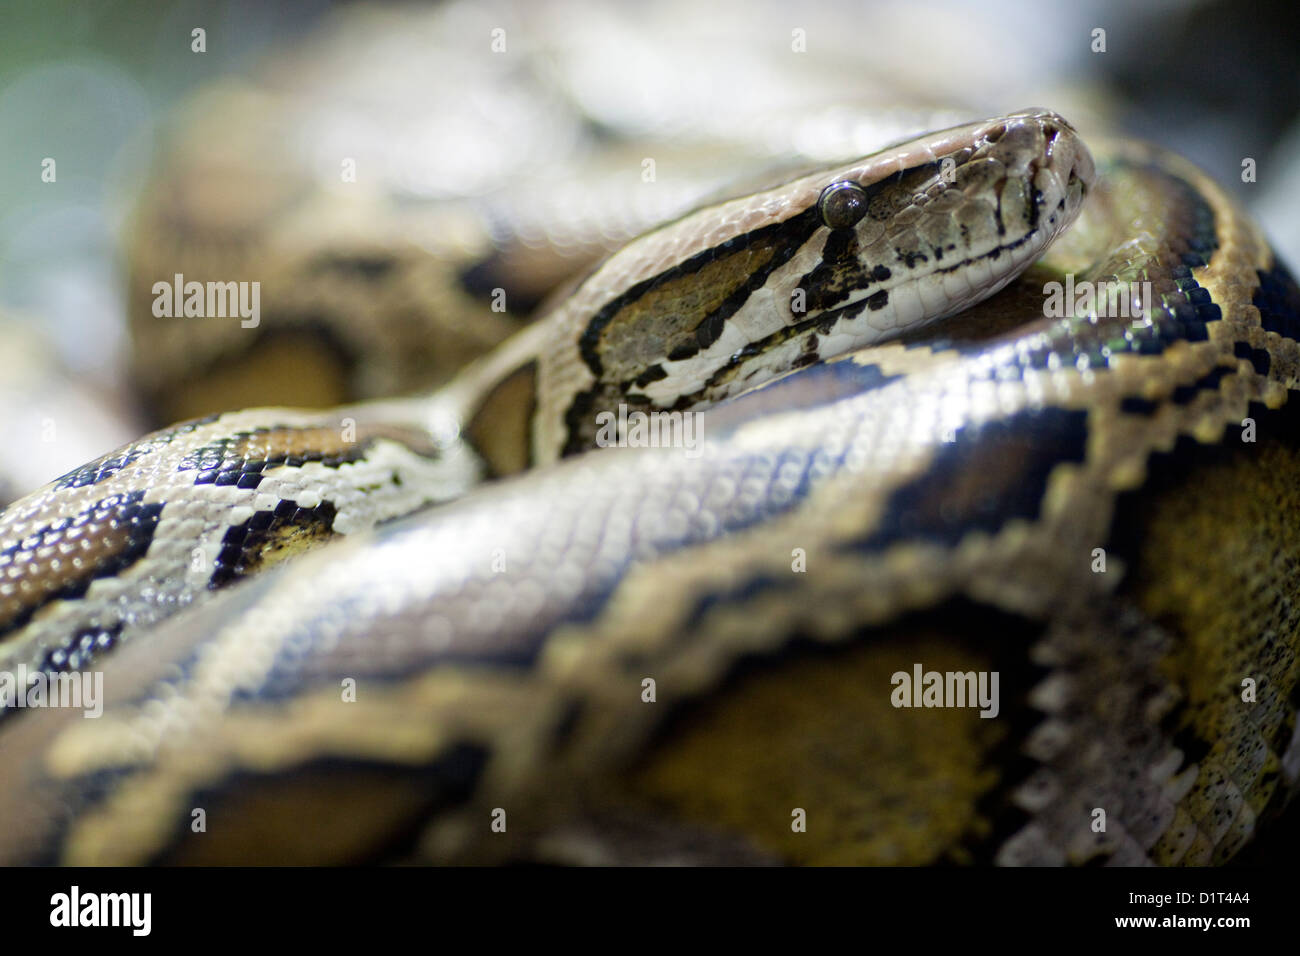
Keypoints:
pixel 484 625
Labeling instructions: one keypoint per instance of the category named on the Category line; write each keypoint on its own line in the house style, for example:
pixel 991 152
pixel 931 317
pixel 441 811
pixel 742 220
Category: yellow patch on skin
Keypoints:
pixel 1217 554
pixel 879 784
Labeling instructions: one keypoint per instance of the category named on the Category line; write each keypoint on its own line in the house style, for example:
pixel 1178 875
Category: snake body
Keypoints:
pixel 634 654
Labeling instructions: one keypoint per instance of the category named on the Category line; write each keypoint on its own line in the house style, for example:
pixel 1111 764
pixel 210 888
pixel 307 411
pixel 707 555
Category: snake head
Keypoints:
pixel 924 230
pixel 739 293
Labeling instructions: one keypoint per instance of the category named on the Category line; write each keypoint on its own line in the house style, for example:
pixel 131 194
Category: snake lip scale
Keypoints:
pixel 373 632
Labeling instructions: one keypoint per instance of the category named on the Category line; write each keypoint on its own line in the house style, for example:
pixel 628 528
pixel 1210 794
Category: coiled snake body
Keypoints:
pixel 689 654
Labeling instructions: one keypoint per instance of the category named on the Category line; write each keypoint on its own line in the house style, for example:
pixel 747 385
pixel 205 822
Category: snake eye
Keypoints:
pixel 842 204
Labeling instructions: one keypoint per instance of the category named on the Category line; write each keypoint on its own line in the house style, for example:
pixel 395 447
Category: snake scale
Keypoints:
pixel 640 654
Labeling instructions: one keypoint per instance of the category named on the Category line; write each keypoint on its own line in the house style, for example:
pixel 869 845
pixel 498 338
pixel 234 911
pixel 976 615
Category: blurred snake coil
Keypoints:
pixel 457 628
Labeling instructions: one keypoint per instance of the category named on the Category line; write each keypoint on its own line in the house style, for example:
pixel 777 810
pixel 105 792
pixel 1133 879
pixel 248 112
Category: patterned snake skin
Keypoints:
pixel 639 655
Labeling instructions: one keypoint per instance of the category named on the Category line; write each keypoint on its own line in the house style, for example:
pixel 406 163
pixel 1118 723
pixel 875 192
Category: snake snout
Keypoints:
pixel 1063 168
pixel 1064 149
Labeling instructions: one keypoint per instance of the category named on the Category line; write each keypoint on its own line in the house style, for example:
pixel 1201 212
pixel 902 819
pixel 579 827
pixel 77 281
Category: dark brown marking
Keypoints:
pixel 838 275
pixel 663 315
